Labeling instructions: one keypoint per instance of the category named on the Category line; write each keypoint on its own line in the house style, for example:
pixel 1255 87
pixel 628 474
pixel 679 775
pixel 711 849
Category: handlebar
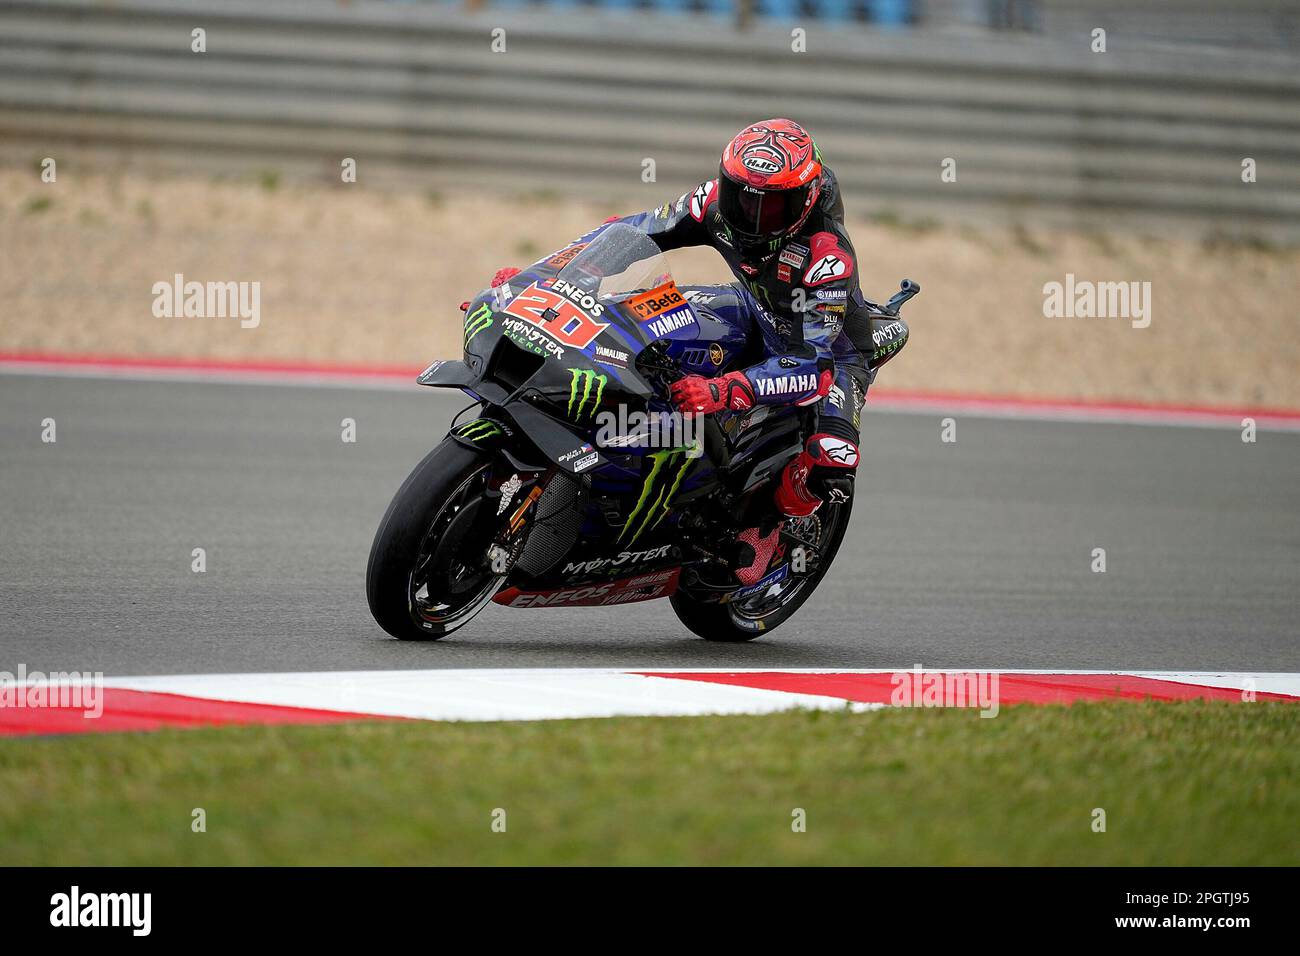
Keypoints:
pixel 906 289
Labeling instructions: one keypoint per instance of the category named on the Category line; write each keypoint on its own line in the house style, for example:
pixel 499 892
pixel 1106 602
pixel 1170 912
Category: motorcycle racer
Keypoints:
pixel 776 216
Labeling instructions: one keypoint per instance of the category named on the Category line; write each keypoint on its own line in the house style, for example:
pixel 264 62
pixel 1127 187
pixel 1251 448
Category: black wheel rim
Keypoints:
pixel 449 583
pixel 752 611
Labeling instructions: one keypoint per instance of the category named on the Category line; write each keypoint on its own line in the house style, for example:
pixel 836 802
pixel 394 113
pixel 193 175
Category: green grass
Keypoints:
pixel 1189 783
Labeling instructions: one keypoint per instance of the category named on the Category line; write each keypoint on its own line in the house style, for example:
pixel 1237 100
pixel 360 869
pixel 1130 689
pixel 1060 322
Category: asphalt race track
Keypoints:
pixel 975 553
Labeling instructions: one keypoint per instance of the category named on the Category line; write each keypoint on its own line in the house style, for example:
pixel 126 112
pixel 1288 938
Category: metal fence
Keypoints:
pixel 1036 128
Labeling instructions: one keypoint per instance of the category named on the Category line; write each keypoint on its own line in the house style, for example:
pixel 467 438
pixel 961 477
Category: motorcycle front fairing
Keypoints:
pixel 558 344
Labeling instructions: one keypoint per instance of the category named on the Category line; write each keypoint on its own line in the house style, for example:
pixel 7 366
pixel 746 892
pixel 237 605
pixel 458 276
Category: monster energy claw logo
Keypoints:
pixel 477 321
pixel 667 470
pixel 479 429
pixel 578 397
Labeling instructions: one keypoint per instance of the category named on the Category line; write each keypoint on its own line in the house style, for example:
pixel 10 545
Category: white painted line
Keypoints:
pixel 485 694
pixel 560 693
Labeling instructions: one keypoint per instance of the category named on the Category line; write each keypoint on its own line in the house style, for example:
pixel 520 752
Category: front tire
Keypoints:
pixel 424 580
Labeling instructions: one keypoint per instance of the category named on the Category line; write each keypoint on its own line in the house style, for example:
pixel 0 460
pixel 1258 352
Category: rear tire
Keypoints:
pixel 400 543
pixel 723 623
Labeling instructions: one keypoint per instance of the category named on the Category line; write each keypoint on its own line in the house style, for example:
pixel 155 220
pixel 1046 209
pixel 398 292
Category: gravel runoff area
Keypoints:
pixel 356 275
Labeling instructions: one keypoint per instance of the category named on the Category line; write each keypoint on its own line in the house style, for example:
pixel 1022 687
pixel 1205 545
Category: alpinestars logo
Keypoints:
pixel 826 268
pixel 667 469
pixel 839 452
pixel 700 199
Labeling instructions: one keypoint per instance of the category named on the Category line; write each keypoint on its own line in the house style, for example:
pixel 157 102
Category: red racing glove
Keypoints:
pixel 695 393
pixel 504 275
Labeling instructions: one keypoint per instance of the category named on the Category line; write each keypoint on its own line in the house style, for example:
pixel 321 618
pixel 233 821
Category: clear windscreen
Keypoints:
pixel 620 260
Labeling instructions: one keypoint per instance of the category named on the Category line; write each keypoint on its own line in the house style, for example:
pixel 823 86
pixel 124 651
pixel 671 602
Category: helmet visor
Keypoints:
pixel 760 213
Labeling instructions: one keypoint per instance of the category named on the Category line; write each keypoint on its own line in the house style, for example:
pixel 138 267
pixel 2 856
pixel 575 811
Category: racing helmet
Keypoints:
pixel 768 182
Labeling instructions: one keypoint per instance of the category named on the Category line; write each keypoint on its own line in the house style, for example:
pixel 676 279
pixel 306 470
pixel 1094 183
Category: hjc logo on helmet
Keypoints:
pixel 760 163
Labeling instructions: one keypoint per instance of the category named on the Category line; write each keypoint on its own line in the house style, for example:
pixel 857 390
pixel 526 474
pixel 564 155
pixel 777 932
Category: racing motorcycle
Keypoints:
pixel 578 483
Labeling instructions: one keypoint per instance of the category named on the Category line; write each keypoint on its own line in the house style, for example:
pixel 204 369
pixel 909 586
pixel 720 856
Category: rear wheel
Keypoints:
pixel 429 572
pixel 761 613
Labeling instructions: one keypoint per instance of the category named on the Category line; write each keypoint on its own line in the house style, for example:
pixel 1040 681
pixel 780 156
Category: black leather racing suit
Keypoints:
pixel 802 294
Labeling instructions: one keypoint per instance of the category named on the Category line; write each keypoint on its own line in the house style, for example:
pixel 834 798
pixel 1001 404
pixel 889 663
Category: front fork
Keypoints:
pixel 514 494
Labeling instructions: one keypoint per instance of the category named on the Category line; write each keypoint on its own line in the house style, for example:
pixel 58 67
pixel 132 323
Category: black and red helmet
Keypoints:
pixel 768 181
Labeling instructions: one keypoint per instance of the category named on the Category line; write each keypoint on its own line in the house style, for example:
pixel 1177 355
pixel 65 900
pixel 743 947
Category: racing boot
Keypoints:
pixel 757 548
pixel 793 497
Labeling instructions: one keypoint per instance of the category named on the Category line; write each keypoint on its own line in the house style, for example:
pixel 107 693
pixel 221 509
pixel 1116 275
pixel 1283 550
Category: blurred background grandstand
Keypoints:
pixel 574 96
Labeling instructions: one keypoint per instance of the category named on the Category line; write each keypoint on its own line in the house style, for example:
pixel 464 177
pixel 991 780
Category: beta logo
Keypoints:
pixel 553 309
pixel 656 301
pixel 664 309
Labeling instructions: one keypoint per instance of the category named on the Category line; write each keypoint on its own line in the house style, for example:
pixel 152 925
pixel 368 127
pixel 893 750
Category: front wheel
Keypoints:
pixel 761 613
pixel 426 576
